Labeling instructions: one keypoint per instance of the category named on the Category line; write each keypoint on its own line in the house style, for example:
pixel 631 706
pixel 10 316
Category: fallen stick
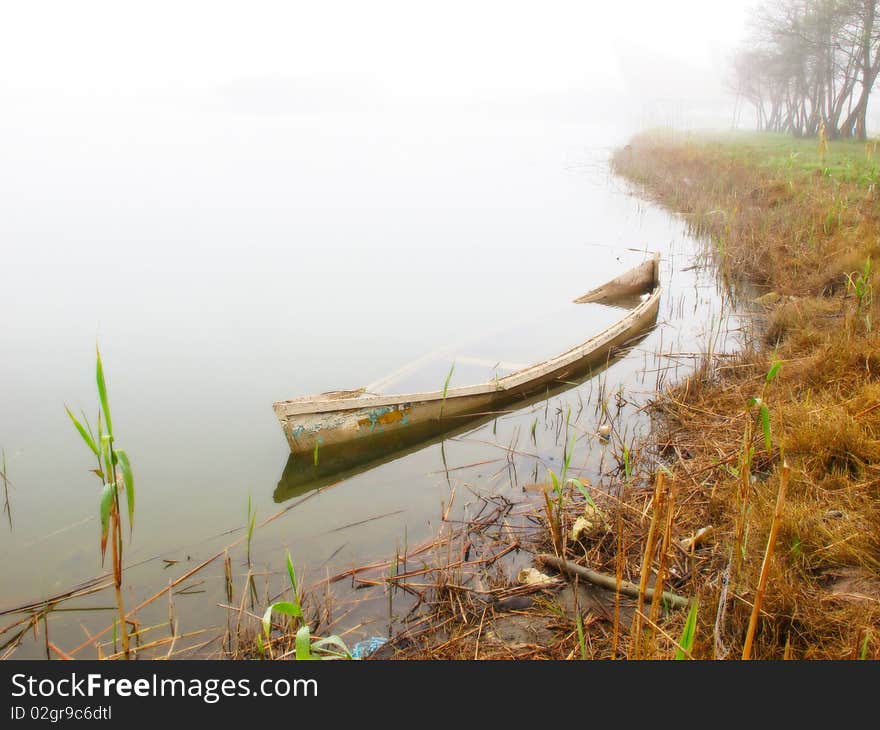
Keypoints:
pixel 608 581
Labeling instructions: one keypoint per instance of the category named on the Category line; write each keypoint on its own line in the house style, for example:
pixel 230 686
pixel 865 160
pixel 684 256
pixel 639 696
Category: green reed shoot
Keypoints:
pixel 7 507
pixel 292 608
pixel 227 574
pixel 114 471
pixel 330 648
pixel 252 518
pixel 561 484
pixel 860 283
pixel 581 639
pixel 688 633
pixel 446 386
pixel 763 418
pixel 333 647
pixel 759 404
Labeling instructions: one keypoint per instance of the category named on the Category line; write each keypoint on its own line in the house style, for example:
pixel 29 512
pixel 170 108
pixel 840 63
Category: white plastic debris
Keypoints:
pixel 533 577
pixel 581 525
pixel 700 536
pixel 590 524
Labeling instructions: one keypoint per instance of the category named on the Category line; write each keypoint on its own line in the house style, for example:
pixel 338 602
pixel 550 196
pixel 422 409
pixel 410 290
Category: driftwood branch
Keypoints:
pixel 607 581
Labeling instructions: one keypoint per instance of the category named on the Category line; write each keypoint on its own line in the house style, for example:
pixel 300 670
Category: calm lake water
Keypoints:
pixel 225 260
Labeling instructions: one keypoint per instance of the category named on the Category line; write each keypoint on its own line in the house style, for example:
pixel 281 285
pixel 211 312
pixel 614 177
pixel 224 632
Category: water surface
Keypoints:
pixel 227 259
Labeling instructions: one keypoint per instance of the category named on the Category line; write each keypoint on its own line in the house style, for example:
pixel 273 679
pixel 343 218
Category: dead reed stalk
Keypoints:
pixel 765 565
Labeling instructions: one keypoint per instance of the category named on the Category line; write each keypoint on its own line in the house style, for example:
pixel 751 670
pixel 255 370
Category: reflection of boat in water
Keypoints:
pixel 332 434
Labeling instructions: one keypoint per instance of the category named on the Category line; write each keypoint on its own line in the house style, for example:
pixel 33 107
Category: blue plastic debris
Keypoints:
pixel 367 646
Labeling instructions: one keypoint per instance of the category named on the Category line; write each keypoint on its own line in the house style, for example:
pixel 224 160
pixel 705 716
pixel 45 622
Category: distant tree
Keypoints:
pixel 865 33
pixel 809 63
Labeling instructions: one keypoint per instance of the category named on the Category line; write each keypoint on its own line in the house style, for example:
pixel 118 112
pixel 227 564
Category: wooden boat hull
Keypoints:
pixel 343 461
pixel 327 421
pixel 628 285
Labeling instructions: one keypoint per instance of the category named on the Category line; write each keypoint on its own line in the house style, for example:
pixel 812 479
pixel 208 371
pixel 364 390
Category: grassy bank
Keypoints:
pixel 802 224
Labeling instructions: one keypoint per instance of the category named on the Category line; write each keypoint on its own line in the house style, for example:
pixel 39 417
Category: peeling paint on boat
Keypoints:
pixel 384 416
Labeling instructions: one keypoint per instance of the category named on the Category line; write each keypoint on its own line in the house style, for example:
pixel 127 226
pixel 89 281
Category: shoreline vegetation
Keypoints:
pixel 746 526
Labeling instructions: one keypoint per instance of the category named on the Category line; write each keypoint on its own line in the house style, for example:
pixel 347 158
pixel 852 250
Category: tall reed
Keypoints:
pixel 114 471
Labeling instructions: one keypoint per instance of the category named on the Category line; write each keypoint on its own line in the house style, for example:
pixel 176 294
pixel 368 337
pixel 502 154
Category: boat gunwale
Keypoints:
pixel 323 403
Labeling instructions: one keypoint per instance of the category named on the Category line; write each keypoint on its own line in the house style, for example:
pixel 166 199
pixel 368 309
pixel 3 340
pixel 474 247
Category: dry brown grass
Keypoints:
pixel 824 585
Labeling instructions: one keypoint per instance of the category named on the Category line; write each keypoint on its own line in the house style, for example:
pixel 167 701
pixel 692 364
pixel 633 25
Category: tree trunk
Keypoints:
pixel 856 123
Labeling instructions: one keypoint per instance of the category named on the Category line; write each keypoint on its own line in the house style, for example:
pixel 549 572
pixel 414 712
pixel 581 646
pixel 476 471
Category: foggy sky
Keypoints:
pixel 58 50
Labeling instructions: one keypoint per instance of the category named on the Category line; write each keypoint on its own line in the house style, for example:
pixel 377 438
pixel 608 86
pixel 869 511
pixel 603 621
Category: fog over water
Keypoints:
pixel 249 203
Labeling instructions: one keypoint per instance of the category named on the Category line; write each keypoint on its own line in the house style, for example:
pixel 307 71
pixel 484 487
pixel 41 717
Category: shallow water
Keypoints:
pixel 227 260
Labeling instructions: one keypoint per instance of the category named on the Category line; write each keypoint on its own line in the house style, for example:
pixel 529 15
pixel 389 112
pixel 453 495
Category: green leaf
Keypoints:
pixel 446 386
pixel 252 517
pixel 291 573
pixel 100 440
pixel 128 478
pixel 765 425
pixel 581 487
pixel 90 442
pixel 285 607
pixel 773 371
pixel 304 643
pixel 448 378
pixel 107 454
pixel 341 651
pixel 688 633
pixel 106 504
pixel 568 454
pixel 555 480
pixel 102 391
